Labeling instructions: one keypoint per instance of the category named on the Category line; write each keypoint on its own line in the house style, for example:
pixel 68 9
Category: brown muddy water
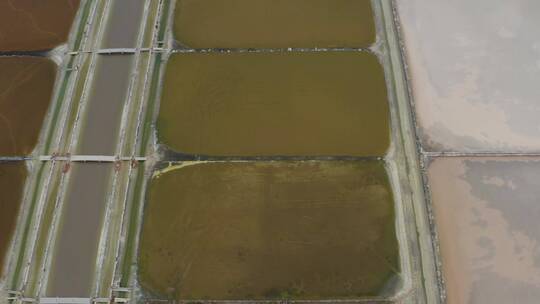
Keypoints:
pixel 105 104
pixel 123 25
pixel 269 230
pixel 259 104
pixel 12 177
pixel 487 211
pixel 26 86
pixel 32 25
pixel 274 23
pixel 74 258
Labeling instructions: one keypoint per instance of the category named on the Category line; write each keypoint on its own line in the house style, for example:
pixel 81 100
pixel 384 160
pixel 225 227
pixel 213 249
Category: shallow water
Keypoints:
pixel 253 104
pixel 26 86
pixel 105 104
pixel 74 259
pixel 475 70
pixel 12 177
pixel 30 25
pixel 274 23
pixel 487 211
pixel 310 230
pixel 123 25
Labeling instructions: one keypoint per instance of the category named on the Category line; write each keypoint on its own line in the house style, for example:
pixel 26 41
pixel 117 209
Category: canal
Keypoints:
pixel 73 262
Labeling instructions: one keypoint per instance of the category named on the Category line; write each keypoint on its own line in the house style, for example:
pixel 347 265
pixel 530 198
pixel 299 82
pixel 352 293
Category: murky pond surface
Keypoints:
pixel 254 104
pixel 274 23
pixel 487 213
pixel 245 230
pixel 74 259
pixel 105 104
pixel 26 86
pixel 475 69
pixel 30 25
pixel 12 177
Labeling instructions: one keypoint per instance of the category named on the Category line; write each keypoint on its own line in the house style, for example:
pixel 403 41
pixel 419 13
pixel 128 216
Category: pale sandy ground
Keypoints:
pixel 487 218
pixel 475 72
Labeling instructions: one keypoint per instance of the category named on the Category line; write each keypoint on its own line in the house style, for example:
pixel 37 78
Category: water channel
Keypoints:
pixel 73 261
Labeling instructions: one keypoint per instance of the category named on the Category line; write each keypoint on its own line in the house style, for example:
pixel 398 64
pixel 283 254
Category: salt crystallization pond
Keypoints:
pixel 474 73
pixel 269 150
pixel 487 211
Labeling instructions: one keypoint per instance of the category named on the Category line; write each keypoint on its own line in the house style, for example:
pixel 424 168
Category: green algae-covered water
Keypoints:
pixel 274 23
pixel 265 104
pixel 266 230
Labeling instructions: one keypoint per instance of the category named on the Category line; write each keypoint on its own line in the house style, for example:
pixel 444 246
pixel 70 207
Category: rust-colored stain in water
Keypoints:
pixel 293 103
pixel 35 25
pixel 248 230
pixel 12 176
pixel 26 85
pixel 274 23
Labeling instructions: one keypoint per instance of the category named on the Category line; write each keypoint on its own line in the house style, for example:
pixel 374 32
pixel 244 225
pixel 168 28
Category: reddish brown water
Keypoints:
pixel 35 25
pixel 12 176
pixel 26 86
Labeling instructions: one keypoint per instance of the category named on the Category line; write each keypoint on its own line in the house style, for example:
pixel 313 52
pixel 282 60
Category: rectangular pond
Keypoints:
pixel 474 69
pixel 26 86
pixel 270 230
pixel 12 178
pixel 29 25
pixel 274 23
pixel 486 213
pixel 268 104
